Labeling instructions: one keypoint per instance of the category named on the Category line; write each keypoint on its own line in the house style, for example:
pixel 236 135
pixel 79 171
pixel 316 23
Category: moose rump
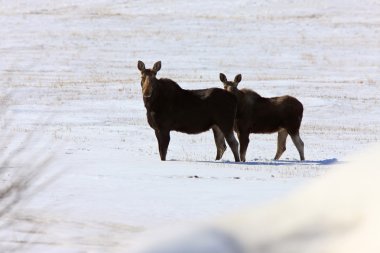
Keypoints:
pixel 171 108
pixel 271 115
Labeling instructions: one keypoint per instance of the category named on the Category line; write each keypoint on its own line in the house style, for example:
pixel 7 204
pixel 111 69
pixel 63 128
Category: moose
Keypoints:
pixel 171 108
pixel 257 114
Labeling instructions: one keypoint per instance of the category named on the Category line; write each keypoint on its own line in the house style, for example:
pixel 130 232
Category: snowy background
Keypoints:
pixel 69 79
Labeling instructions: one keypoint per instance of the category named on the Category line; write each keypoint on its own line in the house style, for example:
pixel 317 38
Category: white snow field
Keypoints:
pixel 336 213
pixel 69 79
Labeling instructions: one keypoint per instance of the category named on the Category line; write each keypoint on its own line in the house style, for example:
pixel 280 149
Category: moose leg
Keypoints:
pixel 158 140
pixel 234 145
pixel 281 143
pixel 299 144
pixel 244 141
pixel 219 142
pixel 163 138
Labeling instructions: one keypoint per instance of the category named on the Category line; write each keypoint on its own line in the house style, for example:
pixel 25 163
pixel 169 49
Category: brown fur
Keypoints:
pixel 171 108
pixel 257 114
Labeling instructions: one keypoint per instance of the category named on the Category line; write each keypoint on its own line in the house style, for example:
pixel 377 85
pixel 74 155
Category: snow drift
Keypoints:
pixel 338 213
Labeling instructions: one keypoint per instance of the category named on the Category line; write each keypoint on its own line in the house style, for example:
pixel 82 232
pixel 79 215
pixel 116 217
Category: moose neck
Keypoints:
pixel 152 101
pixel 238 93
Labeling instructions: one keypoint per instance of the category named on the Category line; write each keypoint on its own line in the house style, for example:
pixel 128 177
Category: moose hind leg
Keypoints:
pixel 281 143
pixel 219 142
pixel 234 145
pixel 244 141
pixel 299 145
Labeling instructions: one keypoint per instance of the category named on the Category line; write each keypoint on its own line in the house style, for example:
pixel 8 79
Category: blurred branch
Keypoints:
pixel 23 170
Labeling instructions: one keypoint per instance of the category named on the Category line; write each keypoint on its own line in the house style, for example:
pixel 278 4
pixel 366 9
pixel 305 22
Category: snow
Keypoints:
pixel 69 72
pixel 336 213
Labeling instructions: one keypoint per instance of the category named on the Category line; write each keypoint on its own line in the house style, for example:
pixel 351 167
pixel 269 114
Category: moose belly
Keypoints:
pixel 265 128
pixel 192 127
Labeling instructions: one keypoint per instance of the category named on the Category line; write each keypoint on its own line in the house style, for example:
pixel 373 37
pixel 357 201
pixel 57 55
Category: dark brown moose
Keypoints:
pixel 171 108
pixel 257 114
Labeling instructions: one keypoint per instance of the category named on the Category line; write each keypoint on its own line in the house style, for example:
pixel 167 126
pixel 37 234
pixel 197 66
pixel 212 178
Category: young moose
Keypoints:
pixel 169 107
pixel 257 114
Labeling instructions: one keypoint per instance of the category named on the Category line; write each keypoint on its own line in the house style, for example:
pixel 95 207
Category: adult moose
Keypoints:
pixel 171 108
pixel 257 114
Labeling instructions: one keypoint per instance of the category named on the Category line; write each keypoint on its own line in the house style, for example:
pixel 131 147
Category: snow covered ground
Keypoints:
pixel 69 72
pixel 335 213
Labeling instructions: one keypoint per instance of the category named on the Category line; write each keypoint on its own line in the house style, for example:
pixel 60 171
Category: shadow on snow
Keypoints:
pixel 280 162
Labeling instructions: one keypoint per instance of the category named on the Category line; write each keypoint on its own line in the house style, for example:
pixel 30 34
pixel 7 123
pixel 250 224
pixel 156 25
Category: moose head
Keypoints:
pixel 230 86
pixel 148 78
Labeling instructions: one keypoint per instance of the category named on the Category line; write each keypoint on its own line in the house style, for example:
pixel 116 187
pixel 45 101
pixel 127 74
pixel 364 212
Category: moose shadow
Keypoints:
pixel 329 161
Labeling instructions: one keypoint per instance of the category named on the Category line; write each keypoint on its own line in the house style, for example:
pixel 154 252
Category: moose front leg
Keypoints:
pixel 163 138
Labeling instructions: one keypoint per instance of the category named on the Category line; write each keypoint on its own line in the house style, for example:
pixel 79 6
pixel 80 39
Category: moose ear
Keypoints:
pixel 237 78
pixel 157 66
pixel 140 65
pixel 222 77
